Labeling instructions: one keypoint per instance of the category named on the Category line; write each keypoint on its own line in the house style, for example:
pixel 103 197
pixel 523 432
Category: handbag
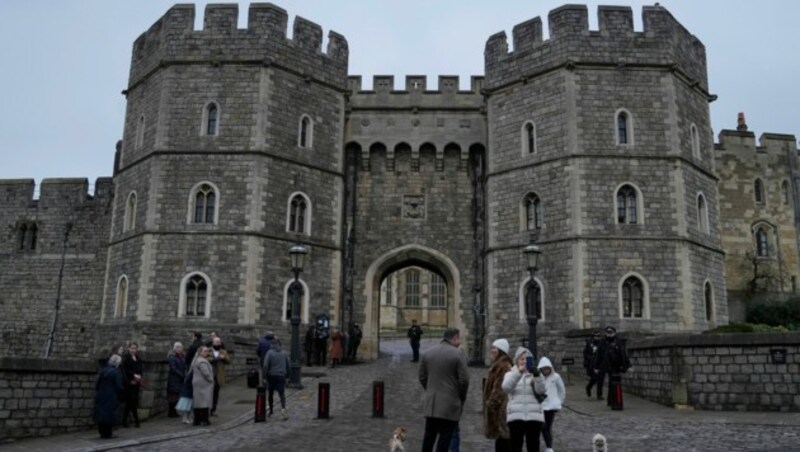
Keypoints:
pixel 184 404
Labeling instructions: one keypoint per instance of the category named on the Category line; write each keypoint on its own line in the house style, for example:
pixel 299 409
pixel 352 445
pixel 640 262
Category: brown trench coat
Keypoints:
pixel 495 399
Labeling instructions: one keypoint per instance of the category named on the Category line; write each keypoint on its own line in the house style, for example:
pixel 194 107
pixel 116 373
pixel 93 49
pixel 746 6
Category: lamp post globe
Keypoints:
pixel 297 253
pixel 532 253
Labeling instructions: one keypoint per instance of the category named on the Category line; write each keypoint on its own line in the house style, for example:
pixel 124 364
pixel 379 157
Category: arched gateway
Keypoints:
pixel 397 259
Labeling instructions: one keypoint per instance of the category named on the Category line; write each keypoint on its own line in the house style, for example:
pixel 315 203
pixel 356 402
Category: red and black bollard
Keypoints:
pixel 377 399
pixel 616 391
pixel 261 404
pixel 324 401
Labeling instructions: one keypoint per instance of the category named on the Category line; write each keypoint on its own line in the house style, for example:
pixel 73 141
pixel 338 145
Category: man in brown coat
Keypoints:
pixel 443 375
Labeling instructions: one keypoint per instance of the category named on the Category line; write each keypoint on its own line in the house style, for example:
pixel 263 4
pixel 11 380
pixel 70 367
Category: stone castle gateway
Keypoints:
pixel 239 142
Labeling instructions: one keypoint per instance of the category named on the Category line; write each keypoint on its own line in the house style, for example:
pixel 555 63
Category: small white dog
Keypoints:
pixel 599 443
pixel 398 438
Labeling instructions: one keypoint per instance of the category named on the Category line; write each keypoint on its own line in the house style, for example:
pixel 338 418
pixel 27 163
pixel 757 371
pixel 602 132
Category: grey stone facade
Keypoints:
pixel 389 178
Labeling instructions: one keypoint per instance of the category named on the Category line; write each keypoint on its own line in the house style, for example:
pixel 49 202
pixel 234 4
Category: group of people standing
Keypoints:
pixel 118 383
pixel 320 344
pixel 520 399
pixel 193 384
pixel 520 396
pixel 604 356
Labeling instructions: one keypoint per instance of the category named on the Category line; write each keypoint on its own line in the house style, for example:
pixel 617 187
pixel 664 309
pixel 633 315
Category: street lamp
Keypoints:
pixel 297 252
pixel 532 253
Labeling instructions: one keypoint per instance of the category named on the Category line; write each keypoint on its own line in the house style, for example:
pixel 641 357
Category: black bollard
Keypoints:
pixel 261 404
pixel 377 399
pixel 324 401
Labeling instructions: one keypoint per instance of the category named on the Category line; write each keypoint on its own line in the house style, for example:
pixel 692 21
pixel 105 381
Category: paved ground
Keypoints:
pixel 641 427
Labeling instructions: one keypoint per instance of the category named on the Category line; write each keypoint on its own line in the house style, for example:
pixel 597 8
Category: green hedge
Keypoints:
pixel 747 328
pixel 786 314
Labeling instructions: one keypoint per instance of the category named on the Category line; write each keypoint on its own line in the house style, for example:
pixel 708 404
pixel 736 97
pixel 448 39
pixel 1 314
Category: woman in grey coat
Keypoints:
pixel 203 383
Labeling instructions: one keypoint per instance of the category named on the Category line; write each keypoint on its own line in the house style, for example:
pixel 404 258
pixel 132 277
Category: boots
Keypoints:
pixel 284 414
pixel 198 416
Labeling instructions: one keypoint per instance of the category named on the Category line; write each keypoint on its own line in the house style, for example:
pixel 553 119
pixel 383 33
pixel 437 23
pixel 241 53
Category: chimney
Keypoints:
pixel 741 124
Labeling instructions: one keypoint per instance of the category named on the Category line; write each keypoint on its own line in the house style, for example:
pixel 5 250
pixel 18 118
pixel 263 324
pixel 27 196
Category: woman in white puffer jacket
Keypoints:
pixel 525 415
pixel 555 399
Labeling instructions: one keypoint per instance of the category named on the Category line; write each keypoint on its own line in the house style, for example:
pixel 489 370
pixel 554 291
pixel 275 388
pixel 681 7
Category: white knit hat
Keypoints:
pixel 501 344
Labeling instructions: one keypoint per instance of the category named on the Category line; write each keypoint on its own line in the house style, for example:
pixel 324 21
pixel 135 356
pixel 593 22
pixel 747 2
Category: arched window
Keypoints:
pixel 528 138
pixel 762 245
pixel 785 191
pixel 412 288
pixel 212 120
pixel 695 137
pixel 532 289
pixel 758 191
pixel 196 295
pixel 27 236
pixel 627 205
pixel 286 313
pixel 305 138
pixel 130 213
pixel 708 296
pixel 139 141
pixel 702 214
pixel 299 214
pixel 533 212
pixel 623 127
pixel 633 295
pixel 122 297
pixel 33 231
pixel 204 204
pixel 23 235
pixel 438 291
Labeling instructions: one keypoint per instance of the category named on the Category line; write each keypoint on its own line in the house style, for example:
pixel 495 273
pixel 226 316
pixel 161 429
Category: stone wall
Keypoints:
pixel 727 372
pixel 40 397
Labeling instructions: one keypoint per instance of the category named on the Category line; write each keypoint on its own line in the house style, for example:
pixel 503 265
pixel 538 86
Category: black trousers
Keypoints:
pixel 131 404
pixel 415 350
pixel 216 396
pixel 596 378
pixel 502 445
pixel 441 428
pixel 547 428
pixel 525 432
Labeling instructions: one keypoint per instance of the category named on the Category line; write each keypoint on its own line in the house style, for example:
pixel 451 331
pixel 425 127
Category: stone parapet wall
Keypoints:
pixel 41 397
pixel 728 372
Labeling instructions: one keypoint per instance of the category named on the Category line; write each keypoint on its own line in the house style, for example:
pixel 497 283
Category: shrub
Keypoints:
pixel 786 314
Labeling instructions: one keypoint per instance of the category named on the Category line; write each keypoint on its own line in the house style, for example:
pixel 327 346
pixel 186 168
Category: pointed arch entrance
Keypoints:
pixel 398 259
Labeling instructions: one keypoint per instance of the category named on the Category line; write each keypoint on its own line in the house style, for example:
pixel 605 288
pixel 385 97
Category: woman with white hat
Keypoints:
pixel 495 400
pixel 525 415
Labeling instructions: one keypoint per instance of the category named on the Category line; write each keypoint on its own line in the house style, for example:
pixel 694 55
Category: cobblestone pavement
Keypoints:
pixel 641 427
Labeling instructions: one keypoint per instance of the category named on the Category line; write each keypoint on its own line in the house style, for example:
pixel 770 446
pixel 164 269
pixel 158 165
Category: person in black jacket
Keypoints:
pixel 198 342
pixel 591 353
pixel 132 369
pixel 109 388
pixel 176 378
pixel 613 358
pixel 414 335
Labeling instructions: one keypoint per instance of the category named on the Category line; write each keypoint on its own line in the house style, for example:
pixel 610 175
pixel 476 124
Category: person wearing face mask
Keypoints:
pixel 219 359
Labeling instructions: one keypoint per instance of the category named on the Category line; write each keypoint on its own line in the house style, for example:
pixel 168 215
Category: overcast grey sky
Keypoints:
pixel 64 62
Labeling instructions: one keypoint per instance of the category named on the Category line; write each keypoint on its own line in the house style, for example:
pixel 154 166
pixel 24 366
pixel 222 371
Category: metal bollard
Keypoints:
pixel 261 404
pixel 324 401
pixel 377 399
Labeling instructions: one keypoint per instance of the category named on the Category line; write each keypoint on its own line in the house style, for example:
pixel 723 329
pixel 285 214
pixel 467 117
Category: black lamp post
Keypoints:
pixel 532 253
pixel 297 253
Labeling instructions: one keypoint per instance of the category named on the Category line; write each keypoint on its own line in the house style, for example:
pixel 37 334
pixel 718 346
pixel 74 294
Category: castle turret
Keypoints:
pixel 232 152
pixel 600 149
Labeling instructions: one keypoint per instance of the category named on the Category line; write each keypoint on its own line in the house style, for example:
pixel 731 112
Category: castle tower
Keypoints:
pixel 600 148
pixel 231 153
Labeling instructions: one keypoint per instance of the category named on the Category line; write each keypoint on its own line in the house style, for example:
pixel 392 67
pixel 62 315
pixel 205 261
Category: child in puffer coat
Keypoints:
pixel 555 399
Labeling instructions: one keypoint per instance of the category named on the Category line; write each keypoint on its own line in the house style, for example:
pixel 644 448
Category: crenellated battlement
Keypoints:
pixel 415 92
pixel 172 39
pixel 19 193
pixel 663 42
pixel 743 140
